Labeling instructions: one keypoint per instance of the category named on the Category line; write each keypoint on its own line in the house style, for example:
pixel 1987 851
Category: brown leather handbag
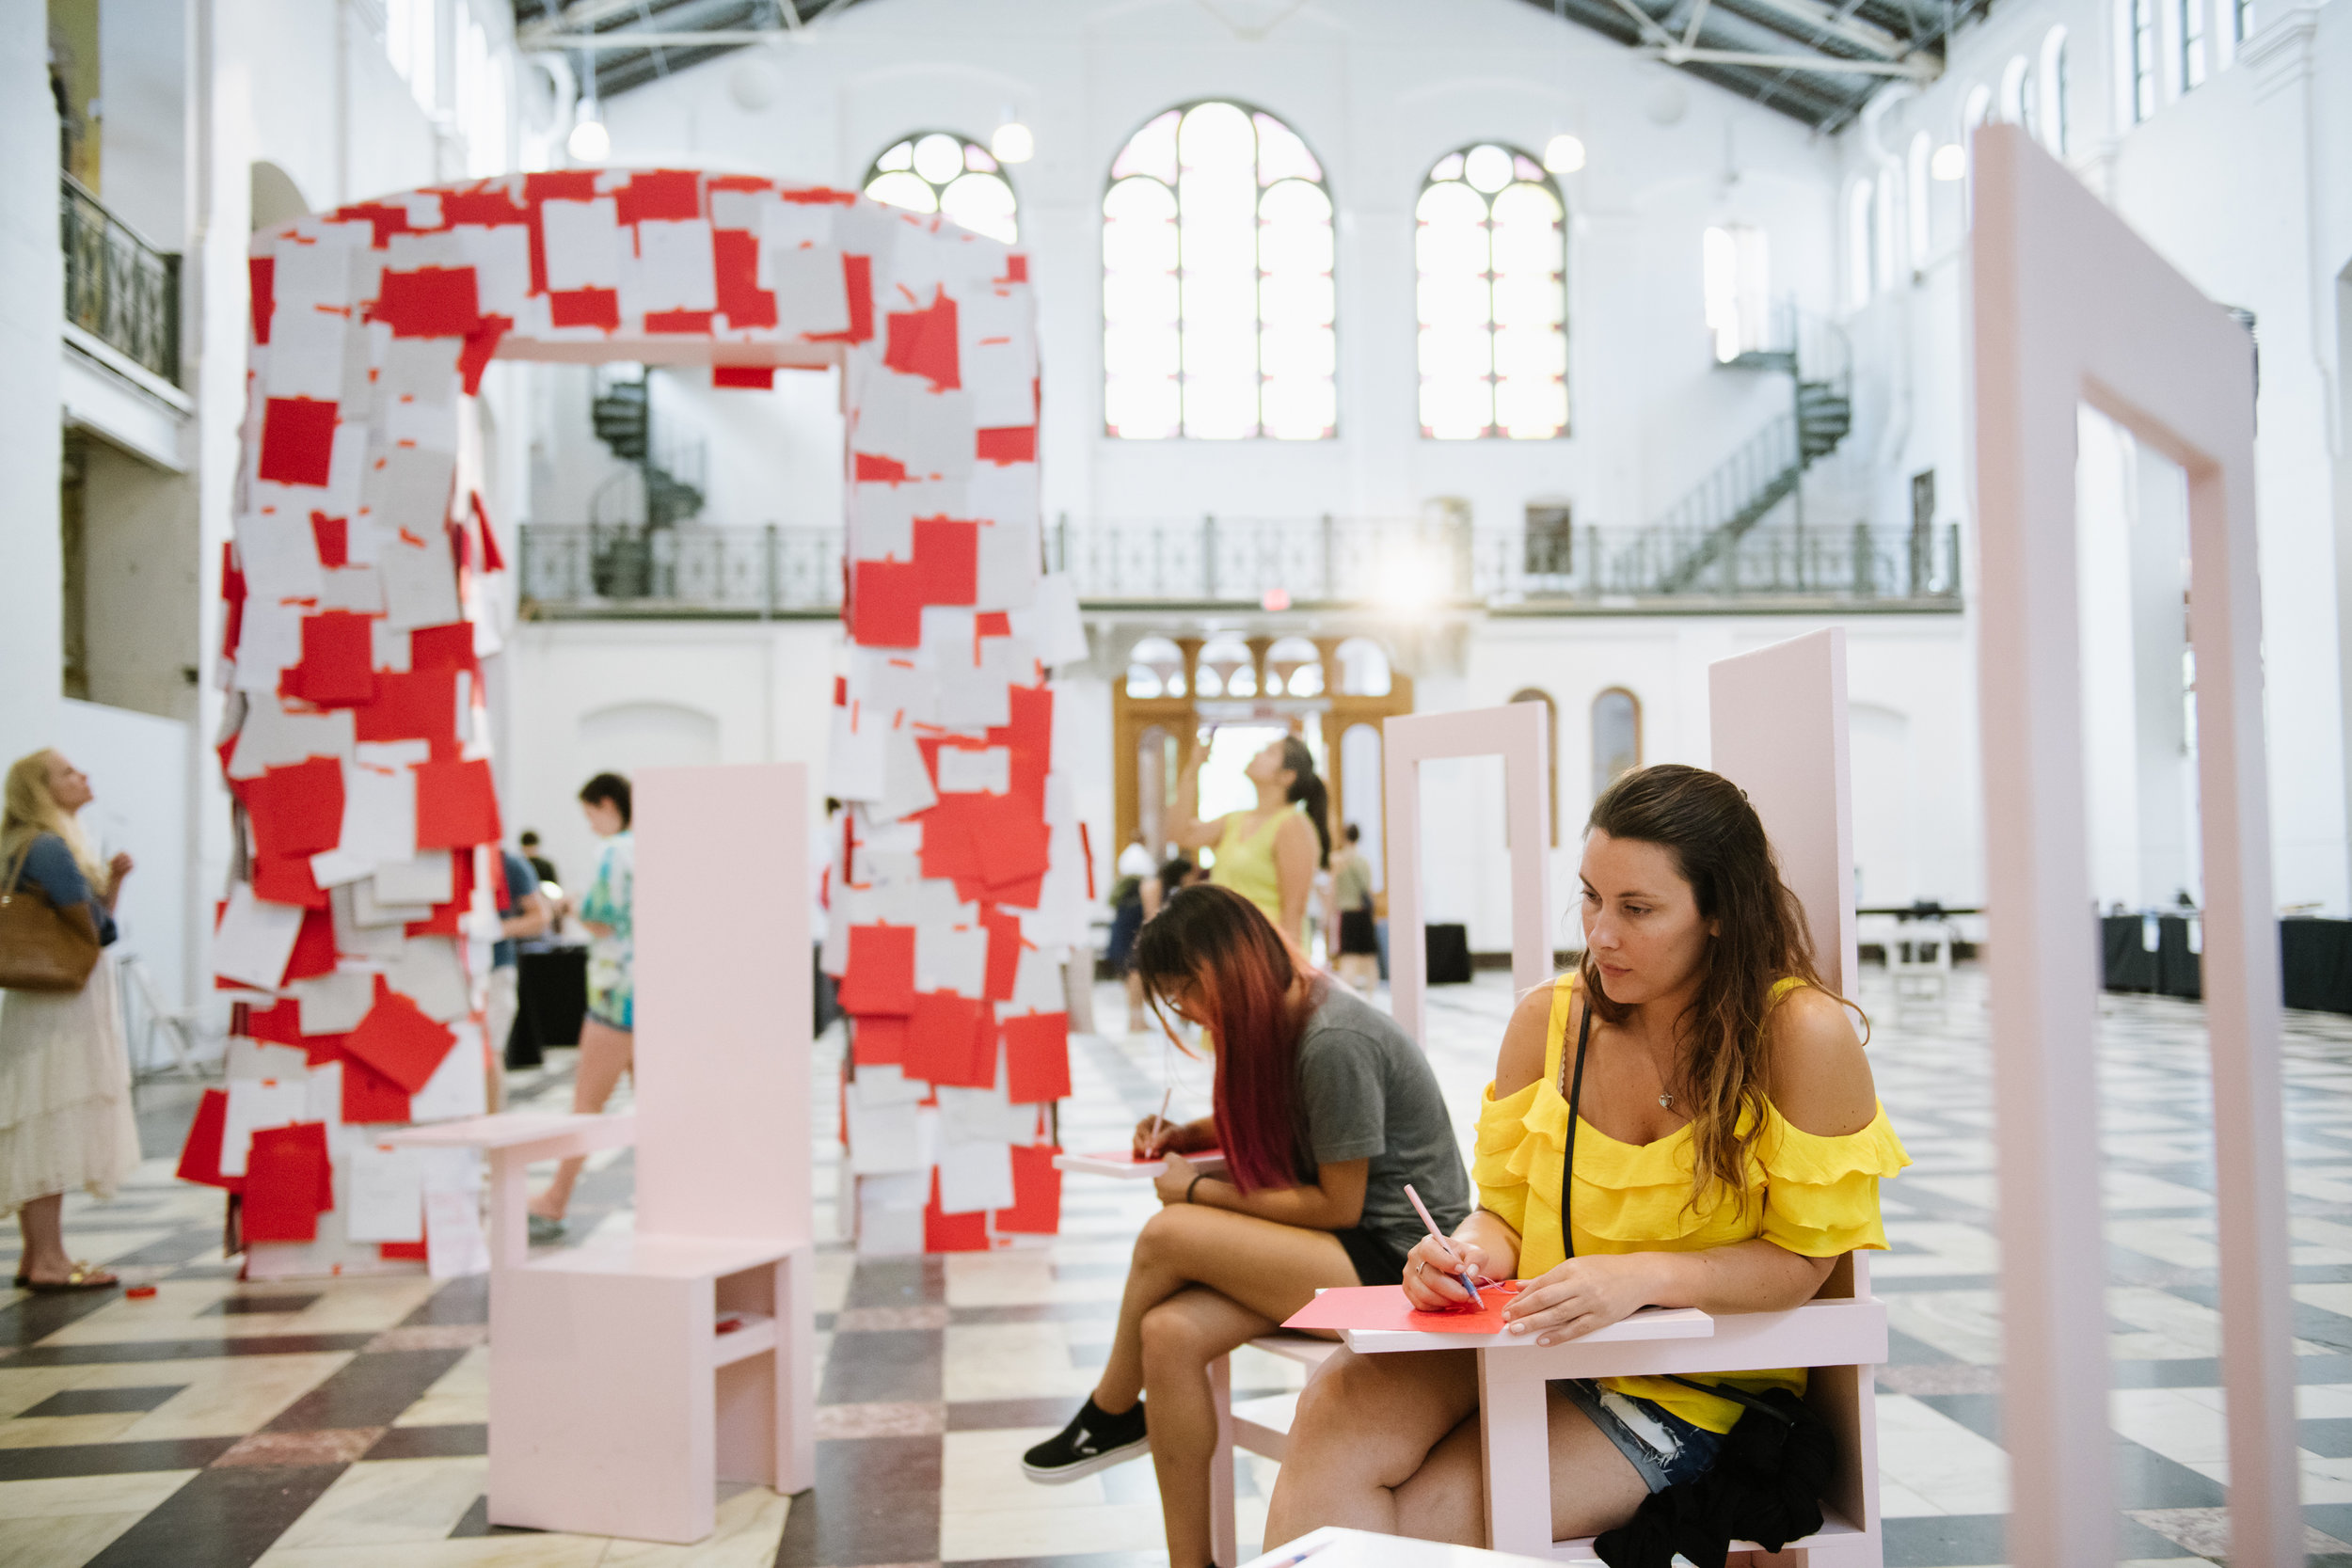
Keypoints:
pixel 42 947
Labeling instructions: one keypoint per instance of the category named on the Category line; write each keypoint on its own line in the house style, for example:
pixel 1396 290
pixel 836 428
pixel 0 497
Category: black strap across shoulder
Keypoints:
pixel 1567 1235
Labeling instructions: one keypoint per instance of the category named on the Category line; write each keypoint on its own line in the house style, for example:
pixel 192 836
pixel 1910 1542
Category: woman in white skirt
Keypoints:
pixel 64 1067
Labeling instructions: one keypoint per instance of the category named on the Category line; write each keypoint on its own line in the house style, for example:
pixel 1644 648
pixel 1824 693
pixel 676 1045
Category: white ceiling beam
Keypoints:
pixel 550 43
pixel 1831 21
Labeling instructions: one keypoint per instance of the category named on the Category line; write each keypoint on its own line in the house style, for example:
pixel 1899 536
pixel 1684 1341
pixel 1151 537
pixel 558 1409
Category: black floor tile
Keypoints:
pixel 111 1459
pixel 368 1391
pixel 899 1364
pixel 188 1350
pixel 29 1322
pixel 1979 1413
pixel 432 1442
pixel 2330 1518
pixel 102 1401
pixel 222 1518
pixel 876 1500
pixel 2145 1478
pixel 899 1282
pixel 460 1301
pixel 1943 1540
pixel 238 1307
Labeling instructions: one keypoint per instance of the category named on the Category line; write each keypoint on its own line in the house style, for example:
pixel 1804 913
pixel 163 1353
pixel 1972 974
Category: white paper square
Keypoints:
pixel 255 1103
pixel 453 1243
pixel 877 1086
pixel 975 1177
pixel 951 959
pixel 582 243
pixel 387 1194
pixel 255 938
pixel 334 1004
pixel 429 974
pixel 457 1087
pixel 428 878
pixel 973 770
pixel 883 1139
pixel 856 753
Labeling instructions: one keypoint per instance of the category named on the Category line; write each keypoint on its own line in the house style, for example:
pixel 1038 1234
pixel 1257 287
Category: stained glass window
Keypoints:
pixel 941 172
pixel 1218 301
pixel 1493 297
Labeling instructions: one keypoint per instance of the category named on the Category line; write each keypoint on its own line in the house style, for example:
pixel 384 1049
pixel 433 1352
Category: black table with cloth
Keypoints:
pixel 2314 960
pixel 551 986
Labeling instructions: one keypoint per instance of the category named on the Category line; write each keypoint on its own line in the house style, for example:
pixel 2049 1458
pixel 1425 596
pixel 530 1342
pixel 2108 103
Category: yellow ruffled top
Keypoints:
pixel 1814 1196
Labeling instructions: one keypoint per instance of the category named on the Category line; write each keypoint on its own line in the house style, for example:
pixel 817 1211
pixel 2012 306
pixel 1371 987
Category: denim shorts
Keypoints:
pixel 1662 1447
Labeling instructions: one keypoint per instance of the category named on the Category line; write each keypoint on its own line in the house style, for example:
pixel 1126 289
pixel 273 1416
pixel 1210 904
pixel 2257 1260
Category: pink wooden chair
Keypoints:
pixel 616 1406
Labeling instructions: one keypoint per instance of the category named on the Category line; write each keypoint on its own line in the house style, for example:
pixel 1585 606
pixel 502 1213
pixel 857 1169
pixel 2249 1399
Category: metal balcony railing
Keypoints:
pixel 588 568
pixel 117 287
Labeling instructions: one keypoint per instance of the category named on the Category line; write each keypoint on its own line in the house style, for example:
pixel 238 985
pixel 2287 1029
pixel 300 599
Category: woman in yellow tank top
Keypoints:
pixel 1730 1150
pixel 1268 854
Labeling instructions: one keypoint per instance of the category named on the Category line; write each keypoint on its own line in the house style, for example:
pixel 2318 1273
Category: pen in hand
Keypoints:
pixel 1468 1282
pixel 1159 1124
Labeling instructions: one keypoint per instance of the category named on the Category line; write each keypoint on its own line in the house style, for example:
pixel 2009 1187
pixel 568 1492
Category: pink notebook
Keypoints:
pixel 1384 1308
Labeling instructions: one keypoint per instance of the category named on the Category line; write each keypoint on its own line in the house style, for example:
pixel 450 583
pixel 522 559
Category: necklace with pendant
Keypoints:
pixel 1665 1100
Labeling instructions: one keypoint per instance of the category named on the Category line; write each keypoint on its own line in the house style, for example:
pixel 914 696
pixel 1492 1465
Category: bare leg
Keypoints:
pixel 1136 1022
pixel 44 1258
pixel 604 1053
pixel 1390 1443
pixel 1181 1337
pixel 1273 1270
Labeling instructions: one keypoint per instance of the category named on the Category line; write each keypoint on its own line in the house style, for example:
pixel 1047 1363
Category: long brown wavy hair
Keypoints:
pixel 1720 846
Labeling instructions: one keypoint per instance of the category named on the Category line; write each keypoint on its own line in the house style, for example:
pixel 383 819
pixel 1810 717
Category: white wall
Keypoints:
pixel 137 767
pixel 2245 184
pixel 1379 93
pixel 31 309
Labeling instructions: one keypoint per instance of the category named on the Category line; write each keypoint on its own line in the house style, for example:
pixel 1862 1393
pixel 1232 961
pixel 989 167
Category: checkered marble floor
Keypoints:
pixel 331 1424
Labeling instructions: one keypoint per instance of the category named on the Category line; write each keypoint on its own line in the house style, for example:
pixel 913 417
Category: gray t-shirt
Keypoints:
pixel 1366 1092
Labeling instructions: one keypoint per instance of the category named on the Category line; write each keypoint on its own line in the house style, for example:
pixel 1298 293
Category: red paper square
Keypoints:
pixel 458 805
pixel 585 308
pixel 449 647
pixel 1035 1193
pixel 1004 951
pixel 314 948
pixel 430 302
pixel 338 668
pixel 946 1232
pixel 1017 444
pixel 977 1068
pixel 420 705
pixel 369 1097
pixel 298 441
pixel 734 271
pixel 868 469
pixel 296 809
pixel 280 1023
pixel 923 343
pixel 938 1036
pixel 288 881
pixel 402 1251
pixel 659 193
pixel 261 272
pixel 947 561
pixel 199 1157
pixel 1036 1059
pixel 887 603
pixel 949 849
pixel 877 1040
pixel 399 1041
pixel 288 1184
pixel 753 378
pixel 880 976
pixel 333 537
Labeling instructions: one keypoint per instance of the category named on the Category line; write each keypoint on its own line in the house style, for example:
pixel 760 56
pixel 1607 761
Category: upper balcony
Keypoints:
pixel 1224 566
pixel 120 334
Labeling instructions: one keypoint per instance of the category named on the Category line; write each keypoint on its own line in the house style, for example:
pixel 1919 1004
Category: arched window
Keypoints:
pixel 1861 251
pixel 1616 737
pixel 1155 668
pixel 2014 77
pixel 1293 668
pixel 1916 201
pixel 1493 297
pixel 1551 751
pixel 2192 33
pixel 1363 669
pixel 2051 79
pixel 938 172
pixel 2139 61
pixel 1218 301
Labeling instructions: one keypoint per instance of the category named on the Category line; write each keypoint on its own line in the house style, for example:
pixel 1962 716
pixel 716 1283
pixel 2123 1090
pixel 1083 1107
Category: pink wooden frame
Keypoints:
pixel 1518 733
pixel 2072 307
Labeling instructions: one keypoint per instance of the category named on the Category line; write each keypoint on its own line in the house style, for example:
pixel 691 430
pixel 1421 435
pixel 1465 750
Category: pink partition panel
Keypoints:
pixel 722 972
pixel 1777 722
pixel 1516 734
pixel 2072 307
pixel 357 747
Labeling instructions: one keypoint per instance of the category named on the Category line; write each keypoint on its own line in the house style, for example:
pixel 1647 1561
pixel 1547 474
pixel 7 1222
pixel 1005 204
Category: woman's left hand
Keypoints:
pixel 1175 1182
pixel 1580 1296
pixel 119 866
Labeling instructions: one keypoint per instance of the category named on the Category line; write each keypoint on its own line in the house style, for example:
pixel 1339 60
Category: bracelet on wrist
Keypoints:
pixel 1195 1185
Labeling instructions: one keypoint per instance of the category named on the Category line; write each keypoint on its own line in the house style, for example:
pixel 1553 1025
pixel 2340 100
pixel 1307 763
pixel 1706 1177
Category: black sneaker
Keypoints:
pixel 1092 1441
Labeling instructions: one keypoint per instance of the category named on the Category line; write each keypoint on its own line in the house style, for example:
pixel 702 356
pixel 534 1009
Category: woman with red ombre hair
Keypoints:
pixel 1324 1111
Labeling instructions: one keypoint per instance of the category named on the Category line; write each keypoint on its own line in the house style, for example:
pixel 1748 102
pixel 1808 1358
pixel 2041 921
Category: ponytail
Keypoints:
pixel 1308 786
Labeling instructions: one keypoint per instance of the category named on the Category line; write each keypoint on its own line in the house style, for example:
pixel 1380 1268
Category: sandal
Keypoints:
pixel 80 1280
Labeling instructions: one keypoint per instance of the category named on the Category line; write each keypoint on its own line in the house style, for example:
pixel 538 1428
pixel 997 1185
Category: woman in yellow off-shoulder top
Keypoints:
pixel 1730 1150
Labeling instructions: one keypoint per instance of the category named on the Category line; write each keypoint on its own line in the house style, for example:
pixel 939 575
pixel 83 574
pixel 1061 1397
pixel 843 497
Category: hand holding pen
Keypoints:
pixel 1153 1136
pixel 1454 1260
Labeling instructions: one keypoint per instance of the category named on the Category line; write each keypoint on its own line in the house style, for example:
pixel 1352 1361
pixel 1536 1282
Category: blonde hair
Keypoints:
pixel 27 810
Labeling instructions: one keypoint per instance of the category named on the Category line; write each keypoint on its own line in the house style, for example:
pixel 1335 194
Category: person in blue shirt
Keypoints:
pixel 523 915
pixel 64 1067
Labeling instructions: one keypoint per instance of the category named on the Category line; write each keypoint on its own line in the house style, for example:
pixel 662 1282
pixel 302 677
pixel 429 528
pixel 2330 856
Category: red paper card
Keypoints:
pixel 458 805
pixel 333 537
pixel 368 1095
pixel 419 705
pixel 923 343
pixel 1384 1307
pixel 1036 1059
pixel 585 308
pixel 946 1232
pixel 887 605
pixel 401 1251
pixel 449 647
pixel 1004 953
pixel 399 1041
pixel 280 1023
pixel 939 1037
pixel 749 378
pixel 338 668
pixel 877 1040
pixel 1015 445
pixel 314 948
pixel 287 881
pixel 880 974
pixel 947 561
pixel 430 302
pixel 949 849
pixel 298 441
pixel 199 1157
pixel 1035 1193
pixel 289 1183
pixel 296 809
